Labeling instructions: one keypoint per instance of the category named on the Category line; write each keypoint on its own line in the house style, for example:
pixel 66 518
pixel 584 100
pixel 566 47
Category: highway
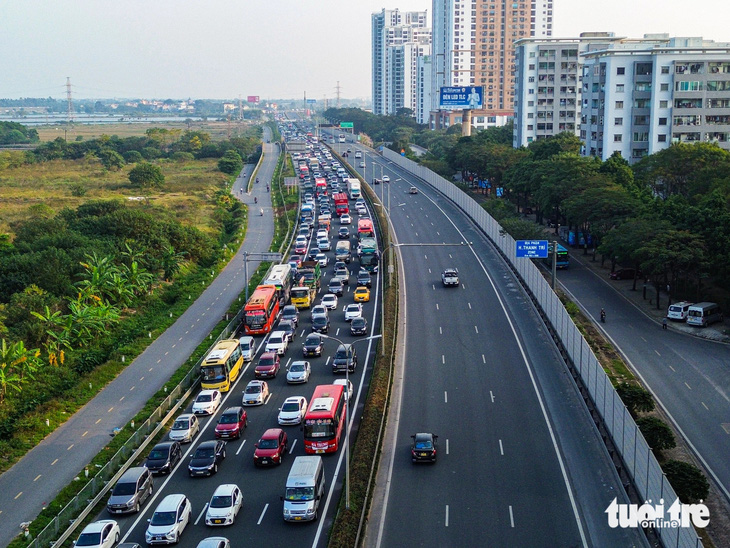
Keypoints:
pixel 36 479
pixel 520 462
pixel 688 376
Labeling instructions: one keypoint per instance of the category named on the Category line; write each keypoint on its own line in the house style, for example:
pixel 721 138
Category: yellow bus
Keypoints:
pixel 222 366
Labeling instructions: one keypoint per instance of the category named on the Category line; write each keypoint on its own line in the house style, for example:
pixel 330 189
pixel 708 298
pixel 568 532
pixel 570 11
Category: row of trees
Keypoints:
pixel 17 134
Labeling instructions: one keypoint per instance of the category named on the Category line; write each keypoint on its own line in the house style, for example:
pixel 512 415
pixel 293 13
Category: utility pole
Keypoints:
pixel 70 104
pixel 338 93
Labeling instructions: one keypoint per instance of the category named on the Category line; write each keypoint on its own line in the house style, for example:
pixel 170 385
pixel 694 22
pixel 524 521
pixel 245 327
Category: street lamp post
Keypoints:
pixel 347 416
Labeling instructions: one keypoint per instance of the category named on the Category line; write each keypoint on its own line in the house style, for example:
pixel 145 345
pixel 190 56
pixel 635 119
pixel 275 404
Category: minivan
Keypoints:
pixel 703 314
pixel 130 492
pixel 304 489
pixel 678 311
pixel 169 520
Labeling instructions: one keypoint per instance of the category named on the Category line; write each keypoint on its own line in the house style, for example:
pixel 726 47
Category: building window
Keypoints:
pixel 664 87
pixel 619 88
pixel 665 70
pixel 619 104
pixel 663 104
pixel 530 91
pixel 662 121
pixel 530 127
pixel 617 137
pixel 620 70
pixel 618 121
pixel 662 138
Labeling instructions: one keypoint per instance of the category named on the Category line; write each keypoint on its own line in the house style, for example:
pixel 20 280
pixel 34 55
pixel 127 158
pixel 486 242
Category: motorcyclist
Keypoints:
pixel 255 200
pixel 267 188
pixel 257 179
pixel 262 211
pixel 603 316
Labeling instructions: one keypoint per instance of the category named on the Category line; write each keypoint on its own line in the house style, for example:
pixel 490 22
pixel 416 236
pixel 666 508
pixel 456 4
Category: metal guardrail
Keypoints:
pixel 636 455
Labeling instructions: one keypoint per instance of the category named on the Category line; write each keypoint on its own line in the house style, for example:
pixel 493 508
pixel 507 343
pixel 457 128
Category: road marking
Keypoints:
pixel 443 359
pixel 54 462
pixel 202 513
pixel 69 447
pixel 174 345
pixel 151 368
pixel 643 339
pixel 18 495
pixel 166 353
pixel 291 449
pixel 158 361
pixel 37 477
pixel 447 446
pixel 268 398
pixel 726 427
pixel 469 305
pixel 501 448
pixel 440 331
pixel 241 447
pixel 110 409
pixel 122 398
pixel 491 396
pixel 703 405
pixel 437 233
pixel 437 306
pixel 82 435
pixel 97 421
pixel 416 233
pixel 425 257
pixel 672 368
pixel 688 386
pixel 446 522
pixel 657 353
pixel 511 517
pixel 450 257
pixel 261 517
pixel 476 329
pixel 446 397
pixel 328 360
pixel 484 359
pixel 429 271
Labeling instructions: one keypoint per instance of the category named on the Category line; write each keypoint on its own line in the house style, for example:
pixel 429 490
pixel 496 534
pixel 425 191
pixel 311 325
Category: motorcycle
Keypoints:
pixel 603 316
pixel 255 200
pixel 262 211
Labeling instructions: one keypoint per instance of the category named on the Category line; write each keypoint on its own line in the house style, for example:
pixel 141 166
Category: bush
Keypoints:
pixel 688 481
pixel 132 156
pixel 231 163
pixel 78 190
pixel 183 157
pixel 657 433
pixel 635 398
pixel 146 175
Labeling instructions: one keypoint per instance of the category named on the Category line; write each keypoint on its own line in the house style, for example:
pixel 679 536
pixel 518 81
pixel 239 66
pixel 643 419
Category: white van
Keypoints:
pixel 703 314
pixel 342 251
pixel 678 311
pixel 304 489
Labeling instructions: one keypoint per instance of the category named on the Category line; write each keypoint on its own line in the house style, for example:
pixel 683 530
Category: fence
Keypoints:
pixel 638 460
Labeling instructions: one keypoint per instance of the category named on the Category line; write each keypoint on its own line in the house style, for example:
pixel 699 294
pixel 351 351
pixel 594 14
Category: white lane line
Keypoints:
pixel 643 339
pixel 688 386
pixel 450 257
pixel 433 286
pixel 202 513
pixel 501 448
pixel 476 329
pixel 447 446
pixel 261 517
pixel 469 305
pixel 291 449
pixel 511 517
pixel 703 405
pixel 425 257
pixel 241 447
pixel 437 306
pixel 443 359
pixel 446 522
pixel 484 359
pixel 672 368
pixel 446 397
pixel 429 271
pixel 657 353
pixel 441 332
pixel 491 396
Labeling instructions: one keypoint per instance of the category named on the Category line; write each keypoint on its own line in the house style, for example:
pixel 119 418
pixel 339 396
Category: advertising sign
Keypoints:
pixel 253 99
pixel 464 97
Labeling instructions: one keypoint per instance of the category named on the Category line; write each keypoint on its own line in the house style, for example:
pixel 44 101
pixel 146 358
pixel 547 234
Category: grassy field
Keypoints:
pixel 217 130
pixel 46 188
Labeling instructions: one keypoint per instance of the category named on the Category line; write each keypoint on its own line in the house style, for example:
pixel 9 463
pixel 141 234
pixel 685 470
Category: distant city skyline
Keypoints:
pixel 276 50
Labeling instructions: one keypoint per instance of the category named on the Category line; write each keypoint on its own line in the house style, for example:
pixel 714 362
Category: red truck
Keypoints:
pixel 341 205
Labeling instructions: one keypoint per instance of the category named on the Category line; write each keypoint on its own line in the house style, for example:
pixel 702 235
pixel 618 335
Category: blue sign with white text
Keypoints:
pixel 532 249
pixel 464 97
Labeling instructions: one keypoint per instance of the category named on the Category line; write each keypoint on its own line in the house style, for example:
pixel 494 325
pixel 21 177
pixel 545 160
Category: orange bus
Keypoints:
pixel 325 419
pixel 365 229
pixel 261 310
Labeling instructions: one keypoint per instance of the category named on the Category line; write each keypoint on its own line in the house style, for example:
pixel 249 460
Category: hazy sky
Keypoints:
pixel 274 48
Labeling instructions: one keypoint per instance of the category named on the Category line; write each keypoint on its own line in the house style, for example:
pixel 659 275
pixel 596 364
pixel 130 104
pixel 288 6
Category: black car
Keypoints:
pixel 313 252
pixel 290 313
pixel 363 278
pixel 313 345
pixel 163 457
pixel 289 328
pixel 207 457
pixel 345 359
pixel 320 324
pixel 423 448
pixel 343 233
pixel 335 286
pixel 358 326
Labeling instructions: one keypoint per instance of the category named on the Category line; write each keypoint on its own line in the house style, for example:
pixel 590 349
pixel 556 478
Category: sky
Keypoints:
pixel 276 49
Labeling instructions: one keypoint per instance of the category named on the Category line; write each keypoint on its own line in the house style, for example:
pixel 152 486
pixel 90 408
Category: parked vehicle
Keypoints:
pixel 704 314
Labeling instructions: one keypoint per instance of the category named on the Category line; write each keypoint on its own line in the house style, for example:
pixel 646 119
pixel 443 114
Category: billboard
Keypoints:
pixel 464 97
pixel 253 99
pixel 346 125
pixel 532 249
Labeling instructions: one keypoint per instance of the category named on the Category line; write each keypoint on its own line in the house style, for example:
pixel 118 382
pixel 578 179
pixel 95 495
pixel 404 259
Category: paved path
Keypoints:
pixel 35 480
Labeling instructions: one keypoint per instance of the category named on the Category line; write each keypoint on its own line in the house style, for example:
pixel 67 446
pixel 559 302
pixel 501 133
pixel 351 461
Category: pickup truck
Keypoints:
pixel 450 276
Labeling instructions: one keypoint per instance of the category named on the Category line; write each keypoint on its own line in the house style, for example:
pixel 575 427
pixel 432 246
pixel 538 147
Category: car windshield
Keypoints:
pixel 319 320
pixel 129 488
pixel 245 346
pixel 163 518
pixel 290 406
pixel 204 453
pixel 204 398
pixel 213 373
pixel 358 322
pixel 229 418
pixel 181 424
pixel 275 340
pixel 89 539
pixel 268 444
pixel 253 389
pixel 423 444
pixel 300 493
pixel 266 362
pixel 297 367
pixel 221 501
pixel 155 454
pixel 341 355
pixel 312 341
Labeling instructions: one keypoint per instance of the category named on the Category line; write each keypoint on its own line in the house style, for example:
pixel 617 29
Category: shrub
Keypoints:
pixel 688 481
pixel 231 163
pixel 132 156
pixel 78 190
pixel 635 398
pixel 146 175
pixel 657 433
pixel 183 156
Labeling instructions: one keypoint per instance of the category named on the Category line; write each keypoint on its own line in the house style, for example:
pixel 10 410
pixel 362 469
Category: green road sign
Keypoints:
pixel 346 124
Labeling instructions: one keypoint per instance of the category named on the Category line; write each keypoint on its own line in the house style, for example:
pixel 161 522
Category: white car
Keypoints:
pixel 255 393
pixel 278 342
pixel 214 542
pixel 100 534
pixel 319 310
pixel 301 240
pixel 169 520
pixel 348 387
pixel 247 345
pixel 298 372
pixel 362 164
pixel 293 410
pixel 184 428
pixel 386 179
pixel 322 259
pixel 224 505
pixel 324 244
pixel 345 219
pixel 361 210
pixel 353 311
pixel 330 301
pixel 322 233
pixel 207 402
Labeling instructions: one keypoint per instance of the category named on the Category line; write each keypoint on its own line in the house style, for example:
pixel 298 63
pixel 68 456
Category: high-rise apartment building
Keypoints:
pixel 473 45
pixel 548 84
pixel 639 96
pixel 399 39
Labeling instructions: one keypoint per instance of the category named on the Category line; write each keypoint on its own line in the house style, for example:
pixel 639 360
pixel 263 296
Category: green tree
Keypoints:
pixel 688 481
pixel 657 433
pixel 635 398
pixel 171 262
pixel 111 159
pixel 146 175
pixel 231 163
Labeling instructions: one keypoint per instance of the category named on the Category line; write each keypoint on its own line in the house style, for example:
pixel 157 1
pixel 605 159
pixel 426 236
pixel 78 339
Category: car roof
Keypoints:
pixel 246 338
pixel 271 433
pixel 207 392
pixel 225 489
pixel 186 416
pixel 256 382
pixel 97 526
pixel 231 410
pixel 170 502
pixel 268 355
pixel 208 443
pixel 294 399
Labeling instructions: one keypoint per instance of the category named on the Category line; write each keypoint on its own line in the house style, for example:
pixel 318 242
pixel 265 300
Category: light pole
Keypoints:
pixel 347 415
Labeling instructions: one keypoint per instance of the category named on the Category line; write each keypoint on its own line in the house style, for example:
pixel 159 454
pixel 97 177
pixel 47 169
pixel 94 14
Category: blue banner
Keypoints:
pixel 465 97
pixel 532 249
